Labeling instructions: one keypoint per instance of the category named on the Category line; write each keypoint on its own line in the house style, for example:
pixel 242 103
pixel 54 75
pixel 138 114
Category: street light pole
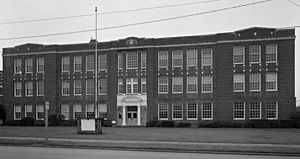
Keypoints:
pixel 96 66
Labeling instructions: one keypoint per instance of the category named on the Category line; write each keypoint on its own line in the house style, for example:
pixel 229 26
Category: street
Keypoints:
pixel 12 152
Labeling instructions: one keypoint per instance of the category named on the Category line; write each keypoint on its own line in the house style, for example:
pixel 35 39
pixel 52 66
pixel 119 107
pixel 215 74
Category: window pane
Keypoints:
pixel 163 84
pixel 177 58
pixel 162 59
pixel 132 60
pixel 238 54
pixel 77 87
pixel 77 63
pixel 192 58
pixel 65 111
pixel 207 83
pixel 271 110
pixel 238 82
pixel 192 84
pixel 192 111
pixel 254 81
pixel 77 111
pixel 90 86
pixel 254 53
pixel 255 110
pixel 207 111
pixel 40 64
pixel 66 88
pixel 177 84
pixel 271 81
pixel 120 61
pixel 40 88
pixel 177 111
pixel 207 57
pixel 29 88
pixel 120 86
pixel 102 62
pixel 18 66
pixel 28 65
pixel 65 64
pixel 271 53
pixel 239 110
pixel 102 86
pixel 90 63
pixel 163 111
pixel 143 60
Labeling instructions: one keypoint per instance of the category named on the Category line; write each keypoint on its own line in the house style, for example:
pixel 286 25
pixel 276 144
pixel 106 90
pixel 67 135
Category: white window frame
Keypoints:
pixel 203 62
pixel 86 86
pixel 75 111
pixel 236 81
pixel 63 58
pixel 190 58
pixel 159 57
pixel 132 81
pixel 120 61
pixel 211 111
pixel 269 110
pixel 253 110
pixel 276 53
pixel 276 80
pixel 189 110
pixel 234 110
pixel 102 86
pixel 15 112
pixel 16 87
pixel 211 83
pixel 143 59
pixel 76 87
pixel 143 84
pixel 165 110
pixel 137 60
pixel 40 90
pixel 77 62
pixel 174 80
pixel 163 84
pixel 17 68
pixel 40 65
pixel 188 80
pixel 87 110
pixel 37 111
pixel 251 82
pixel 27 111
pixel 102 110
pixel 254 53
pixel 89 63
pixel 28 65
pixel 180 111
pixel 120 82
pixel 27 87
pixel 178 57
pixel 236 52
pixel 62 87
pixel 65 112
pixel 102 62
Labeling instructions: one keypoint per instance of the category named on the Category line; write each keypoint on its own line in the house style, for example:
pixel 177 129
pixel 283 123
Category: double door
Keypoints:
pixel 131 115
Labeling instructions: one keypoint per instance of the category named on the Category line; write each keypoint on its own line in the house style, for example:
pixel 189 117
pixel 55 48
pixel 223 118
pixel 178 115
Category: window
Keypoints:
pixel 163 85
pixel 177 84
pixel 207 57
pixel 238 82
pixel 120 86
pixel 192 84
pixel 28 111
pixel 207 111
pixel 177 58
pixel 132 85
pixel 239 111
pixel 254 53
pixel 28 65
pixel 120 61
pixel 271 81
pixel 77 111
pixel 77 87
pixel 254 82
pixel 207 84
pixel 65 88
pixel 102 62
pixel 191 58
pixel 272 110
pixel 90 86
pixel 40 88
pixel 143 85
pixel 177 111
pixel 163 111
pixel 162 59
pixel 271 53
pixel 65 61
pixel 77 63
pixel 102 87
pixel 17 114
pixel 18 66
pixel 192 111
pixel 143 60
pixel 255 110
pixel 102 110
pixel 90 111
pixel 238 55
pixel 90 63
pixel 40 112
pixel 29 88
pixel 132 60
pixel 18 89
pixel 65 111
pixel 40 62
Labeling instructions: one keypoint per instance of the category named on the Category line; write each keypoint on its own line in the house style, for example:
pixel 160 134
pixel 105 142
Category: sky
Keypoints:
pixel 273 13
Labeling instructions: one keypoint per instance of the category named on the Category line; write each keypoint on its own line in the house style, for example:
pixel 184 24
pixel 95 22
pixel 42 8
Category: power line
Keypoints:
pixel 107 13
pixel 138 23
pixel 294 3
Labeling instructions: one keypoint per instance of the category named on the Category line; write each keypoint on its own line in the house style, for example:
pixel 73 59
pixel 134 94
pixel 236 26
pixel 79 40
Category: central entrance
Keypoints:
pixel 131 115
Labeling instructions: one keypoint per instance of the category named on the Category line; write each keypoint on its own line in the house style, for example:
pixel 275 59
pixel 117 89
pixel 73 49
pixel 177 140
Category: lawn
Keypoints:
pixel 211 135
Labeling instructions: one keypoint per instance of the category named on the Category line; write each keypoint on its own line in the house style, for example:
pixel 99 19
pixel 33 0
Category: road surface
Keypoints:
pixel 12 152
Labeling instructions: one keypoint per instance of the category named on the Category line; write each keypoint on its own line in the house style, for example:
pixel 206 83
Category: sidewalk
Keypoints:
pixel 288 149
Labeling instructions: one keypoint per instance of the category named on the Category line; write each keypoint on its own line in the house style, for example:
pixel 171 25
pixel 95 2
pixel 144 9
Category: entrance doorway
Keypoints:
pixel 131 115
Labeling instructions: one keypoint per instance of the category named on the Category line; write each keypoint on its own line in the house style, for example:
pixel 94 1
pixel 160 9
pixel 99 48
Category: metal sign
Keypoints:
pixel 47 105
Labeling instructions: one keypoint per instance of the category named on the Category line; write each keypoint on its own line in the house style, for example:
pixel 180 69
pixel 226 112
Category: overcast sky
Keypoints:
pixel 274 14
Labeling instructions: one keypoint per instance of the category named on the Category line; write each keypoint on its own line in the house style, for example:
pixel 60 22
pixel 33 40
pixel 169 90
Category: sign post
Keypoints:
pixel 46 121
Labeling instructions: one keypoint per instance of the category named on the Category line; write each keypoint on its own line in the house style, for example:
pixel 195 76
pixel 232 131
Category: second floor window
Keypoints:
pixel 191 58
pixel 120 86
pixel 29 88
pixel 18 66
pixel 132 85
pixel 18 89
pixel 65 88
pixel 90 86
pixel 143 59
pixel 77 63
pixel 102 86
pixel 90 62
pixel 177 85
pixel 132 60
pixel 254 82
pixel 254 54
pixel 143 85
pixel 40 88
pixel 102 62
pixel 271 81
pixel 207 57
pixel 177 58
pixel 40 63
pixel 120 61
pixel 238 82
pixel 28 65
pixel 163 59
pixel 77 87
pixel 65 62
pixel 207 84
pixel 192 84
pixel 271 53
pixel 28 111
pixel 163 84
pixel 238 55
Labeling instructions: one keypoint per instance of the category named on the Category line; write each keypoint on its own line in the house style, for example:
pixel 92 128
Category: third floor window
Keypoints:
pixel 40 63
pixel 28 65
pixel 191 58
pixel 90 62
pixel 271 53
pixel 207 57
pixel 177 58
pixel 238 55
pixel 102 62
pixel 132 60
pixel 18 66
pixel 77 63
pixel 162 59
pixel 254 54
pixel 65 64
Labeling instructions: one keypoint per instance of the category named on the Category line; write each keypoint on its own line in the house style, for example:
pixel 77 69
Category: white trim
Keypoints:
pixel 243 109
pixel 259 111
pixel 145 55
pixel 276 111
pixel 259 48
pixel 137 66
pixel 178 111
pixel 212 111
pixel 152 46
pixel 62 87
pixel 74 63
pixel 212 82
pixel 36 112
pixel 158 59
pixel 74 87
pixel 62 64
pixel 259 83
pixel 196 58
pixel 158 110
pixel 272 90
pixel 243 55
pixel 15 118
pixel 244 83
pixel 174 84
pixel 187 111
pixel 120 55
pixel 173 51
pixel 275 55
pixel 187 84
pixel 202 57
pixel 165 84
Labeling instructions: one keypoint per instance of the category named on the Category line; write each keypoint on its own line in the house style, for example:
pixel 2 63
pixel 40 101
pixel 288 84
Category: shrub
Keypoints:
pixel 152 123
pixel 107 123
pixel 27 121
pixel 183 125
pixel 287 123
pixel 296 116
pixel 52 120
pixel 167 124
pixel 69 123
pixel 39 123
pixel 2 112
pixel 259 123
pixel 205 124
pixel 13 123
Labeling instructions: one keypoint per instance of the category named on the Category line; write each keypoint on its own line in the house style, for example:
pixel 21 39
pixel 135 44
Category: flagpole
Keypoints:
pixel 96 66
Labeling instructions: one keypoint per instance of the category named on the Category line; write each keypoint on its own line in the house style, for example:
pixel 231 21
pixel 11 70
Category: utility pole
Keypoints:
pixel 96 66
